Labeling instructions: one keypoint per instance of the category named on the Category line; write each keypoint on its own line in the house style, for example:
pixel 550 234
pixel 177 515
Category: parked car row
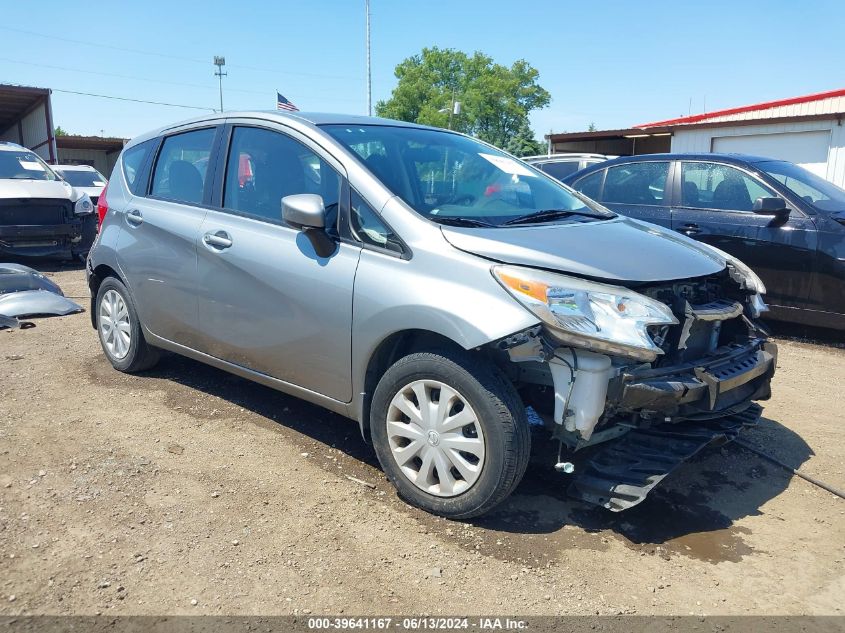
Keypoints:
pixel 45 211
pixel 432 288
pixel 784 222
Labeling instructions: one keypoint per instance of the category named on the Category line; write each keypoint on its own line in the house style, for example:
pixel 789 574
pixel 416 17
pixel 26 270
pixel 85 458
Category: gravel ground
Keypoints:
pixel 190 491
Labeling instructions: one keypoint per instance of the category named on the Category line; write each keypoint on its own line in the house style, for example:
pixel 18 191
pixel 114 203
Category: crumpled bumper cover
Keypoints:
pixel 706 386
pixel 625 470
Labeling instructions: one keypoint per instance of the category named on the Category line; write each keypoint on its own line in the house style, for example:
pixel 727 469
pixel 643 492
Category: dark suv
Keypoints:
pixel 785 222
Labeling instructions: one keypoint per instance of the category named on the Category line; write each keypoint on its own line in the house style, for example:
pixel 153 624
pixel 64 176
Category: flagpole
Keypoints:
pixel 369 72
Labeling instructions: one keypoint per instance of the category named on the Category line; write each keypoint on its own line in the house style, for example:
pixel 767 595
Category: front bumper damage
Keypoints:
pixel 49 240
pixel 706 387
pixel 648 418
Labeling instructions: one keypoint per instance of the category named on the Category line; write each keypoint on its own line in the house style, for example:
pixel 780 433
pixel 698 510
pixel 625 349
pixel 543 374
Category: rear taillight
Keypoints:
pixel 102 207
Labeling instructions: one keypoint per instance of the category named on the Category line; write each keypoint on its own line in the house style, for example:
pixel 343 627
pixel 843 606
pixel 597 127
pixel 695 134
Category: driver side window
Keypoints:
pixel 265 166
pixel 717 186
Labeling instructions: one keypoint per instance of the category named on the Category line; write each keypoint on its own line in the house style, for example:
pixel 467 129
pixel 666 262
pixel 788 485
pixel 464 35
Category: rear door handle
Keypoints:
pixel 134 217
pixel 690 229
pixel 217 240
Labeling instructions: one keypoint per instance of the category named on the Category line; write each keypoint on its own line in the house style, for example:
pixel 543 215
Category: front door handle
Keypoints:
pixel 134 217
pixel 217 240
pixel 690 229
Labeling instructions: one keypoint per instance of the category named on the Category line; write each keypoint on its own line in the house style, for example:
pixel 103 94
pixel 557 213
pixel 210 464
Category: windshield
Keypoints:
pixel 453 179
pixel 82 178
pixel 820 193
pixel 23 165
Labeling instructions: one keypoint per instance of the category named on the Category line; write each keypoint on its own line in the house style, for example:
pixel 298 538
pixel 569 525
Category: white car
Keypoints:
pixel 562 165
pixel 41 215
pixel 83 178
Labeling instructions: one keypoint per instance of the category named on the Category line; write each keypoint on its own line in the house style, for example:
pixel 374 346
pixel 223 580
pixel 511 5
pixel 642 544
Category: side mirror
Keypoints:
pixel 772 206
pixel 304 211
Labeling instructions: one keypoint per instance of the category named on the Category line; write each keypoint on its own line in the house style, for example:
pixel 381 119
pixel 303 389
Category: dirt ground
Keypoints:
pixel 190 491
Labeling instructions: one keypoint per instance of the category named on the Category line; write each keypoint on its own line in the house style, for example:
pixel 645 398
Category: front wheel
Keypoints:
pixel 450 433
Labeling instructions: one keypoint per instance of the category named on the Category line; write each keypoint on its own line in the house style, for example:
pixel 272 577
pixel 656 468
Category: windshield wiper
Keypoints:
pixel 460 221
pixel 553 214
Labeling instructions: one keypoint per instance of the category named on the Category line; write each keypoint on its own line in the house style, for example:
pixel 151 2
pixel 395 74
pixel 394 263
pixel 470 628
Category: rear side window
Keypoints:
pixel 590 185
pixel 636 183
pixel 560 170
pixel 133 163
pixel 182 166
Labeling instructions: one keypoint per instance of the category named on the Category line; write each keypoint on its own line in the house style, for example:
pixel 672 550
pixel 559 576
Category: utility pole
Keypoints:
pixel 220 62
pixel 369 71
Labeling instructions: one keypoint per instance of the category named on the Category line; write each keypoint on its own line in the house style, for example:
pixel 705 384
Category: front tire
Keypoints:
pixel 450 432
pixel 120 330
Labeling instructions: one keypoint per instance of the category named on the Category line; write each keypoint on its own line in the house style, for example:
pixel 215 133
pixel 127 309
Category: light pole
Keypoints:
pixel 220 62
pixel 369 71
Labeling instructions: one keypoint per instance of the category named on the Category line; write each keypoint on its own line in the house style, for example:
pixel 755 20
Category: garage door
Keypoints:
pixel 808 149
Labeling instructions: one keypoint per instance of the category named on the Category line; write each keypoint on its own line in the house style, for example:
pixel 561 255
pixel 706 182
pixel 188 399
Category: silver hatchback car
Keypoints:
pixel 453 300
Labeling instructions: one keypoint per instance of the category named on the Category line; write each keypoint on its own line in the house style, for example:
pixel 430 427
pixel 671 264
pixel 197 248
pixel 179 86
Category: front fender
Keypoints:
pixel 458 300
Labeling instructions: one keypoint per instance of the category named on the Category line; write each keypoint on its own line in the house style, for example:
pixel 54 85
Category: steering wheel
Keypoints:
pixel 460 199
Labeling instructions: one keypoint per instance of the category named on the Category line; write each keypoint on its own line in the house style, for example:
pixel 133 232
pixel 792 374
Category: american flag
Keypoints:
pixel 284 104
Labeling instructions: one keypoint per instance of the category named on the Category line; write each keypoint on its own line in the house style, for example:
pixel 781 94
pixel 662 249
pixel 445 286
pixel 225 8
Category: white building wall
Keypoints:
pixel 698 140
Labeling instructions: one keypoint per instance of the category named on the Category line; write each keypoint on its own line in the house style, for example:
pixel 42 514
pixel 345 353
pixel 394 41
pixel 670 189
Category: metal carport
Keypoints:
pixel 26 118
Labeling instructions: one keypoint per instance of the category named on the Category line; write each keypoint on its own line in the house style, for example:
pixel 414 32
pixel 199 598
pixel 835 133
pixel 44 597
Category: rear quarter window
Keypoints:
pixel 590 185
pixel 133 162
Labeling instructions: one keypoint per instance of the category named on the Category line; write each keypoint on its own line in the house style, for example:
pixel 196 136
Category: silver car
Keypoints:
pixel 453 300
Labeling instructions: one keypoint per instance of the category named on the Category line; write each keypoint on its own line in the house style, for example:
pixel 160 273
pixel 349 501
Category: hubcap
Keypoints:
pixel 435 438
pixel 114 324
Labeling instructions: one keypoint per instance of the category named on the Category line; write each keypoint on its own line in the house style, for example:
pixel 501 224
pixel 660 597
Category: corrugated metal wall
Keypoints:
pixel 33 132
pixel 701 140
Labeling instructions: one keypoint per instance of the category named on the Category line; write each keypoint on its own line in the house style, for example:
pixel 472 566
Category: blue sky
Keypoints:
pixel 612 63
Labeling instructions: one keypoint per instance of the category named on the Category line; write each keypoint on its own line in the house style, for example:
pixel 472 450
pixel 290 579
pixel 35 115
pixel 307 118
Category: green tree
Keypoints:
pixel 592 127
pixel 59 131
pixel 524 143
pixel 495 99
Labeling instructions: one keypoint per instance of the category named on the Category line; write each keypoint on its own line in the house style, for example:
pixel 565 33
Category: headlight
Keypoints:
pixel 83 206
pixel 587 314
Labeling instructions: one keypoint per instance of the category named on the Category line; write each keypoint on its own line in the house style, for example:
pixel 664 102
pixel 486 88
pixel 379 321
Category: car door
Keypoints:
pixel 267 300
pixel 158 244
pixel 716 206
pixel 639 190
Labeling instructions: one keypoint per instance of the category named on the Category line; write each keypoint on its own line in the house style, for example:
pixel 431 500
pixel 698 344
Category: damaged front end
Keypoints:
pixel 653 391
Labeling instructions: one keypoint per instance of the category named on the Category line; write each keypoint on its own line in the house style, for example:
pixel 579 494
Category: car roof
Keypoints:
pixel 8 146
pixel 309 119
pixel 568 157
pixel 736 159
pixel 730 159
pixel 75 167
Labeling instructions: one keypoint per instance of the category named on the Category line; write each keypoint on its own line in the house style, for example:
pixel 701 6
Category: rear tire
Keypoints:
pixel 120 330
pixel 450 433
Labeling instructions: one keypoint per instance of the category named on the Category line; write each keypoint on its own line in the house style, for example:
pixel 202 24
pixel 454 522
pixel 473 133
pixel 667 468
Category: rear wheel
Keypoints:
pixel 450 433
pixel 120 330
